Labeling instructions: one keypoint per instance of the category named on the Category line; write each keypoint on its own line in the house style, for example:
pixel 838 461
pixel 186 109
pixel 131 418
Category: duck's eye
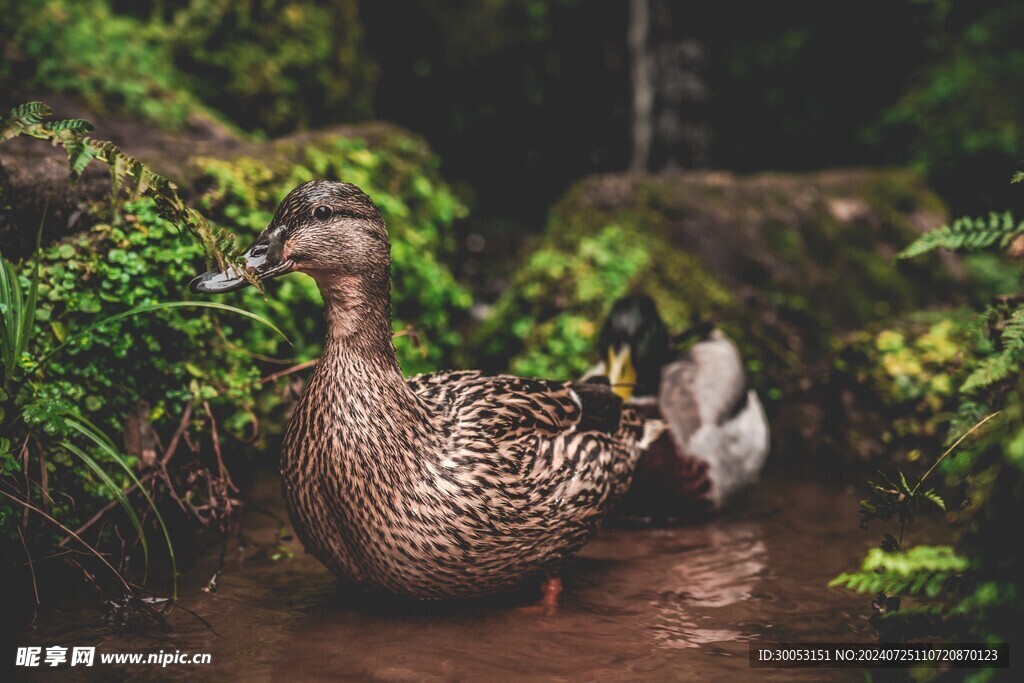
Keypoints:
pixel 322 213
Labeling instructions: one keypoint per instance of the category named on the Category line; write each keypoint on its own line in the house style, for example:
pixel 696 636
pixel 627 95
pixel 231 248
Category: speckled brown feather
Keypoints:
pixel 472 485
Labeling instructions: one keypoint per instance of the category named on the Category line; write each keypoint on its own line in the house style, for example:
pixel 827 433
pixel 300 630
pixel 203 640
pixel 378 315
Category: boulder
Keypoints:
pixel 787 263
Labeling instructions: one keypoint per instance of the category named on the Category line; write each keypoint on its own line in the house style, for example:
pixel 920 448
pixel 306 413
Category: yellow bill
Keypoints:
pixel 621 372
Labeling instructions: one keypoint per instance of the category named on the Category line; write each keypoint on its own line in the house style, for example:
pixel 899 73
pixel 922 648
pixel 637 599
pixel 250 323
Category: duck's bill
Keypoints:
pixel 258 262
pixel 621 372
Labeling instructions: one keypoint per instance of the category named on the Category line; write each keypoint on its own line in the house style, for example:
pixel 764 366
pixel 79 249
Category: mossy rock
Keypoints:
pixel 786 263
pixel 821 242
pixel 547 323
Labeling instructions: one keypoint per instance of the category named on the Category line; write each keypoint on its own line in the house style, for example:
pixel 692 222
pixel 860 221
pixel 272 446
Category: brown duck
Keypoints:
pixel 452 484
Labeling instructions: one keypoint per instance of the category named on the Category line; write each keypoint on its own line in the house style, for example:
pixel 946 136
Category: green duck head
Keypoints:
pixel 634 344
pixel 329 230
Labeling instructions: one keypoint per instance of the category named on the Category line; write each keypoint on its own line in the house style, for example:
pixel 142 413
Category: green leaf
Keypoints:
pixel 148 308
pixel 967 234
pixel 935 499
pixel 117 492
pixel 94 434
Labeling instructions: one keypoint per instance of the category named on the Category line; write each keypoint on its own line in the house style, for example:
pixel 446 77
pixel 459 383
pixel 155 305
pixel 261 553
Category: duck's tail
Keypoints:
pixel 653 429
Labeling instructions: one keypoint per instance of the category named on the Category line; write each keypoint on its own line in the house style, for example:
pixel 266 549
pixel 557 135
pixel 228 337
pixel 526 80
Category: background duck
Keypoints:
pixel 445 485
pixel 718 437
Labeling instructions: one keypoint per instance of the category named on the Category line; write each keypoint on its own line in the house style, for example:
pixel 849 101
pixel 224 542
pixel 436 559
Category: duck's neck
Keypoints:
pixel 359 324
pixel 359 363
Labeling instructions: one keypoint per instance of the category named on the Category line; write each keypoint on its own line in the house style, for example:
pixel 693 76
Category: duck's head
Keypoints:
pixel 329 230
pixel 634 344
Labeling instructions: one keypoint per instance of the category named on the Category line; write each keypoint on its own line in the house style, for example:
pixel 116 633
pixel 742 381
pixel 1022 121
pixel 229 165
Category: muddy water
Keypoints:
pixel 640 604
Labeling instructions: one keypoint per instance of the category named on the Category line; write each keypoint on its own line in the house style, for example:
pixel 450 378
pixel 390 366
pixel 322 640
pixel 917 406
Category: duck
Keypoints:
pixel 441 486
pixel 717 440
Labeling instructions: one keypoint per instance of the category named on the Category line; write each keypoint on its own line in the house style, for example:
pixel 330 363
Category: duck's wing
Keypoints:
pixel 714 415
pixel 541 458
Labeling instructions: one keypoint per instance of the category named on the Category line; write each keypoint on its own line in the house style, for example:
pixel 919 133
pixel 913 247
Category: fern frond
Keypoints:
pixel 935 499
pixel 968 413
pixel 1012 335
pixel 923 569
pixel 22 118
pixel 931 584
pixel 30 112
pixel 79 156
pixel 934 558
pixel 79 126
pixel 992 370
pixel 29 120
pixel 967 234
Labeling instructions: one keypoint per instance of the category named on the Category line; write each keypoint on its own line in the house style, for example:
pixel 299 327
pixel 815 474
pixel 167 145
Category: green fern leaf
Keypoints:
pixel 1012 336
pixel 79 126
pixel 970 234
pixel 29 113
pixel 935 499
pixel 990 371
pixel 79 156
pixel 22 118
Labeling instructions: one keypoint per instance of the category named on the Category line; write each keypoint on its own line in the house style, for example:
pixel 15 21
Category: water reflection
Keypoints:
pixel 723 572
pixel 640 604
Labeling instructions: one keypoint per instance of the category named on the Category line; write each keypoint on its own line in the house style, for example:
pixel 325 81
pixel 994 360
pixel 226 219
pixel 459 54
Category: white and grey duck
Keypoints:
pixel 447 485
pixel 717 439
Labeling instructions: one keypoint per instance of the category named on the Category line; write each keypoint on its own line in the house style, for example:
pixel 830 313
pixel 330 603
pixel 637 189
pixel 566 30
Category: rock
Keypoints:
pixel 787 263
pixel 34 175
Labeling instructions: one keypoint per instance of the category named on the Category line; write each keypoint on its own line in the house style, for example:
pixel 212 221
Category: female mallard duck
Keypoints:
pixel 444 485
pixel 717 437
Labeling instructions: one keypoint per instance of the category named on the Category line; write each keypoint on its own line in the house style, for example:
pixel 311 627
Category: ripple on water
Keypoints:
pixel 640 604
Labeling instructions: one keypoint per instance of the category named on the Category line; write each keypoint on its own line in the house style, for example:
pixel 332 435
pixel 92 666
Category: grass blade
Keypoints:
pixel 91 432
pixel 13 303
pixel 117 491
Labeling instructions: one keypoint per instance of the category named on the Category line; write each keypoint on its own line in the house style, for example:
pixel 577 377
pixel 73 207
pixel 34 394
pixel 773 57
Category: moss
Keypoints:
pixel 804 242
pixel 546 324
pixel 895 384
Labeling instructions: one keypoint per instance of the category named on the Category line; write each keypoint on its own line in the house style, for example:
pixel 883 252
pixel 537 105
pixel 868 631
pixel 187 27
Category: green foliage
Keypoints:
pixel 922 570
pixel 111 61
pixel 70 320
pixel 275 65
pixel 986 432
pixel 549 318
pixel 899 384
pixel 896 498
pixel 269 65
pixel 968 234
pixel 29 120
pixel 17 322
pixel 43 388
pixel 960 116
pixel 1006 359
pixel 401 175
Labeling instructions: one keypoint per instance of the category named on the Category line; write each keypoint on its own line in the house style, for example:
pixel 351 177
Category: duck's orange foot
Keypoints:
pixel 550 589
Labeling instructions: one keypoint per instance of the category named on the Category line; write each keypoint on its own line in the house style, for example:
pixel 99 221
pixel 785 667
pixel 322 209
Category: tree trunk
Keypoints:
pixel 643 83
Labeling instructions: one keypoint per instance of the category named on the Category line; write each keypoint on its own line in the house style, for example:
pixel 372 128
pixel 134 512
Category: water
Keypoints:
pixel 639 604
